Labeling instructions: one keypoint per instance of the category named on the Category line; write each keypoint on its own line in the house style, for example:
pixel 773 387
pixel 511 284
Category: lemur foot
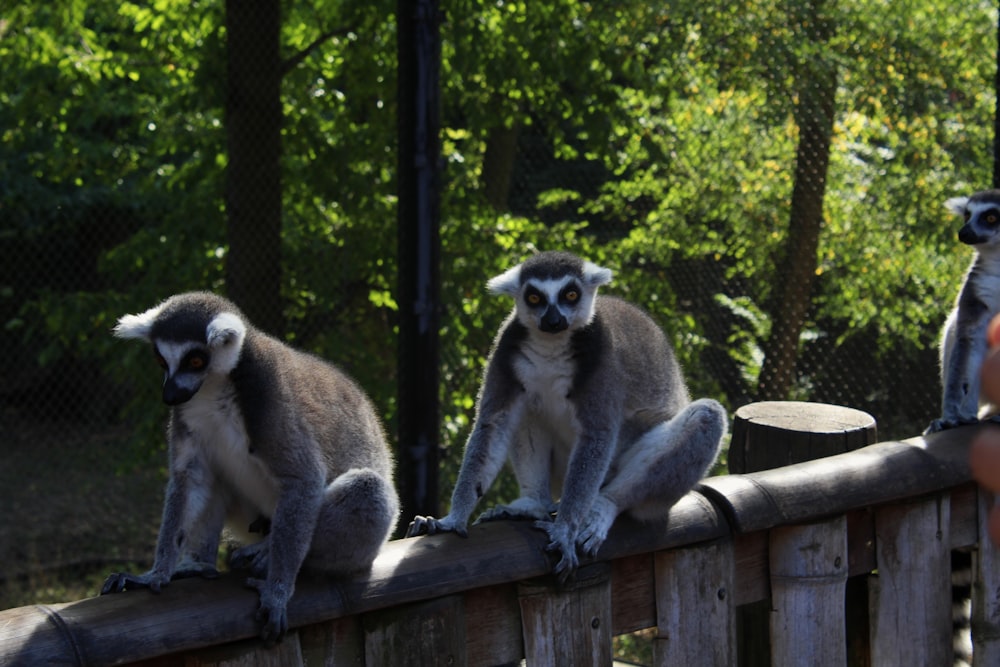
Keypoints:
pixel 118 582
pixel 596 526
pixel 272 613
pixel 252 557
pixel 428 525
pixel 943 424
pixel 563 542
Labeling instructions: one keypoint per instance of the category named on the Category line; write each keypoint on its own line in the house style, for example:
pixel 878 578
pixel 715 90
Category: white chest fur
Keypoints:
pixel 546 370
pixel 219 440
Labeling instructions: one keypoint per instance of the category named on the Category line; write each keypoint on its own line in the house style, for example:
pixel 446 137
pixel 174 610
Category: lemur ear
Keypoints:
pixel 957 205
pixel 594 275
pixel 224 329
pixel 225 335
pixel 508 282
pixel 136 326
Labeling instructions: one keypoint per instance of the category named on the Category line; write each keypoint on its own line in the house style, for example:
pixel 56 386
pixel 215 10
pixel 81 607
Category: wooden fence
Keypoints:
pixel 847 556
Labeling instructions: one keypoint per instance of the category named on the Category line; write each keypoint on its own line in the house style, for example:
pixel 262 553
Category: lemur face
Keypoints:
pixel 981 212
pixel 555 305
pixel 192 340
pixel 185 366
pixel 554 291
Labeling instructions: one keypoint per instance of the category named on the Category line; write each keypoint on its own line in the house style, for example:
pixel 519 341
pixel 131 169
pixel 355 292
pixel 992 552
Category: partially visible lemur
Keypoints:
pixel 963 343
pixel 585 396
pixel 261 437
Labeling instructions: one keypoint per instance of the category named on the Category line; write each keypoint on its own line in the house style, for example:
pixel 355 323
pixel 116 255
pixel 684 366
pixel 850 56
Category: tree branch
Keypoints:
pixel 291 63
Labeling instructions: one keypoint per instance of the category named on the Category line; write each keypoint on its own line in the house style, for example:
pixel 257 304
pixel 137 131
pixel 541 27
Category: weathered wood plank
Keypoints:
pixel 696 617
pixel 426 633
pixel 872 475
pixel 633 604
pixel 250 653
pixel 336 643
pixel 493 626
pixel 568 624
pixel 985 593
pixel 808 580
pixel 911 594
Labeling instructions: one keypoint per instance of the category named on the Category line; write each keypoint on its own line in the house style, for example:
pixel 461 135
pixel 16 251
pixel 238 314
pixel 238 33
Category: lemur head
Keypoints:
pixel 554 291
pixel 194 335
pixel 981 212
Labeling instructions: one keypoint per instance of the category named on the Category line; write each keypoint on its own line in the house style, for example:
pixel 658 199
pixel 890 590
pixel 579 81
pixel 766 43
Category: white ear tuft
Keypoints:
pixel 508 282
pixel 957 205
pixel 226 328
pixel 225 335
pixel 136 326
pixel 594 275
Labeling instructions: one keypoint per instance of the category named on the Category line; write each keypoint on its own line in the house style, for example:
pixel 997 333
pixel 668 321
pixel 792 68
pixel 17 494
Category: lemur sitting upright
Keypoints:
pixel 963 343
pixel 266 439
pixel 584 394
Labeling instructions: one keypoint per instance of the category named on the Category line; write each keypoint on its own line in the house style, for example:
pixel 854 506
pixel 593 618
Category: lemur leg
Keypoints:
pixel 660 468
pixel 531 460
pixel 204 535
pixel 359 511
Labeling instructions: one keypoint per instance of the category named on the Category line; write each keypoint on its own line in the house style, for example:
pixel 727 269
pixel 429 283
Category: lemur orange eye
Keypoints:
pixel 572 296
pixel 196 363
pixel 991 219
pixel 533 299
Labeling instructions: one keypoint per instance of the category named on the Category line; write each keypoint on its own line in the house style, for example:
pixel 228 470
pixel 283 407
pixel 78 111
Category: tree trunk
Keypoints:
pixel 498 165
pixel 816 84
pixel 253 175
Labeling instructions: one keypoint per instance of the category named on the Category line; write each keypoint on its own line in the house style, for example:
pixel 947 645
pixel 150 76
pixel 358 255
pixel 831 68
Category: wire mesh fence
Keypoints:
pixel 766 179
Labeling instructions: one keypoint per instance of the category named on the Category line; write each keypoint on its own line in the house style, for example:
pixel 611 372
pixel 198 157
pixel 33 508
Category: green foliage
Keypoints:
pixel 679 115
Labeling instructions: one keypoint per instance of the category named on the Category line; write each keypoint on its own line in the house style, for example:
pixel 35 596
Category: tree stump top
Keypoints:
pixel 772 434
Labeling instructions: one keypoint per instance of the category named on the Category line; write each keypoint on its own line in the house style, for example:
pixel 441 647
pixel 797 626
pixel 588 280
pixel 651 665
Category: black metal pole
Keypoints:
pixel 419 52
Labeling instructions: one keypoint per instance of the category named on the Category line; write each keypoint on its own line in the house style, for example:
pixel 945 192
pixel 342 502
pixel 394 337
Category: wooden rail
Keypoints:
pixel 796 536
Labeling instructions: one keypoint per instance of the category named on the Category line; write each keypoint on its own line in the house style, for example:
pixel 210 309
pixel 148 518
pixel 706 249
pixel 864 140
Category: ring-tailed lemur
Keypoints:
pixel 963 343
pixel 585 396
pixel 262 437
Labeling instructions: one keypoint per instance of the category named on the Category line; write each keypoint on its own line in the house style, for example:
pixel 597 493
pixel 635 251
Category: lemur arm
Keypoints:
pixel 499 415
pixel 960 399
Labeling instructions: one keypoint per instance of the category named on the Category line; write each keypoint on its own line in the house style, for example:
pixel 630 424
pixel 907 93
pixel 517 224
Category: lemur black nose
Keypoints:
pixel 970 236
pixel 174 394
pixel 553 321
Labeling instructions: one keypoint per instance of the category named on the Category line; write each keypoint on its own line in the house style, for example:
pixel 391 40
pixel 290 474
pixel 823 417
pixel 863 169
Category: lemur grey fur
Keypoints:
pixel 963 343
pixel 585 396
pixel 262 437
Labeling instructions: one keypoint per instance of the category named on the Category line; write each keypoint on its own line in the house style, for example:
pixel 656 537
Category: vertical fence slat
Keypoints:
pixel 250 653
pixel 695 606
pixel 911 594
pixel 809 569
pixel 426 633
pixel 986 593
pixel 570 624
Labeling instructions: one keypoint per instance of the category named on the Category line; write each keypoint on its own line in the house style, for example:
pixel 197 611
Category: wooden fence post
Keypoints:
pixel 427 633
pixel 985 593
pixel 569 624
pixel 808 565
pixel 911 593
pixel 695 614
pixel 772 434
